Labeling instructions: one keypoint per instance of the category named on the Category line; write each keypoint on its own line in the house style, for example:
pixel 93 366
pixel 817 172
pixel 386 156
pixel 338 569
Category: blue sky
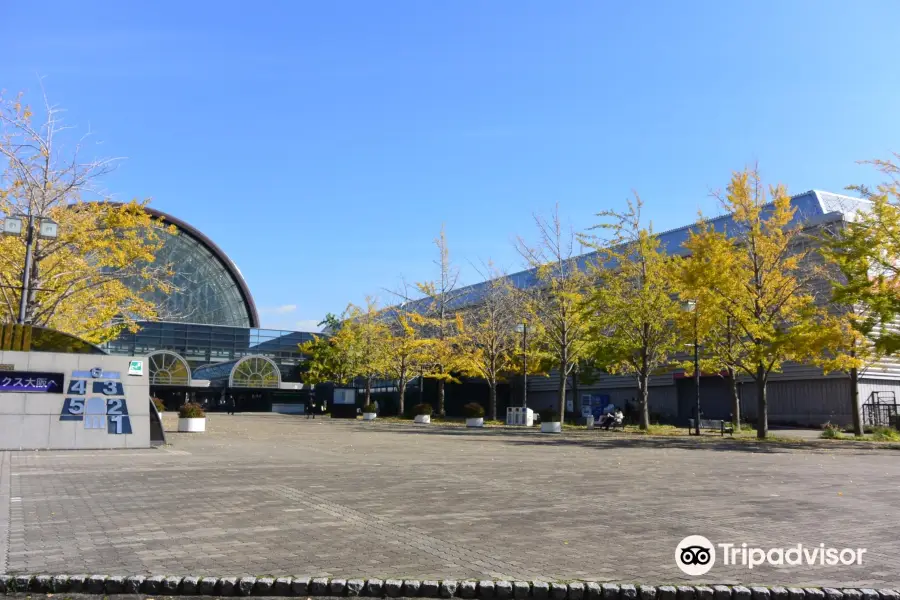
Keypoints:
pixel 323 144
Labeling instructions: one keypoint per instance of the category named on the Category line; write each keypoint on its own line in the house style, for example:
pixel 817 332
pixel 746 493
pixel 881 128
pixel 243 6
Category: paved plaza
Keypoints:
pixel 283 495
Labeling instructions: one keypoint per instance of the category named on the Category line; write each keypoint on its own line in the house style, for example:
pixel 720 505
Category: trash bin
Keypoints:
pixel 516 415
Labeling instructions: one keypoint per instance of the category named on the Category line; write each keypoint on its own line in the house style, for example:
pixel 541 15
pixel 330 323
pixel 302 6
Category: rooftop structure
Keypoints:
pixel 811 208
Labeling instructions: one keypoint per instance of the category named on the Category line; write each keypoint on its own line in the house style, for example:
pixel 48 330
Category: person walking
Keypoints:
pixel 308 407
pixel 231 404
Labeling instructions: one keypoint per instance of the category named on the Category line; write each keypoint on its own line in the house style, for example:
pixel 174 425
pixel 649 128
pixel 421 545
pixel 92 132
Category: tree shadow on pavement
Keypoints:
pixel 606 441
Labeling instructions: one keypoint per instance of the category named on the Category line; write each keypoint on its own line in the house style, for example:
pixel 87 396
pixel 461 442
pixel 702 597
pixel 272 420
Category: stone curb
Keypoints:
pixel 393 588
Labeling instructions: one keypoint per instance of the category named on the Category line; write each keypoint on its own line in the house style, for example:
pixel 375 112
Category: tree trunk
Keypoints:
pixel 493 413
pixel 401 387
pixel 762 407
pixel 440 410
pixel 644 389
pixel 854 402
pixel 576 401
pixel 368 390
pixel 735 400
pixel 562 392
pixel 644 382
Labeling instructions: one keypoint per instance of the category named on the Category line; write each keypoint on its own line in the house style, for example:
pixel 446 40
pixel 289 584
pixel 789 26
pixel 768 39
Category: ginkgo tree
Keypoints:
pixel 407 351
pixel 757 275
pixel 97 276
pixel 863 271
pixel 440 322
pixel 371 340
pixel 556 305
pixel 357 348
pixel 332 358
pixel 634 304
pixel 487 341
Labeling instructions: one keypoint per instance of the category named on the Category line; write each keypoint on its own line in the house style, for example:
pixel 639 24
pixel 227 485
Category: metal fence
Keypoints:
pixel 881 409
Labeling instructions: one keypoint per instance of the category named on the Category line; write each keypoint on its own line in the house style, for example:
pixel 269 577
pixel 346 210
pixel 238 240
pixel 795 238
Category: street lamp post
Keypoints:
pixel 523 329
pixel 46 229
pixel 691 306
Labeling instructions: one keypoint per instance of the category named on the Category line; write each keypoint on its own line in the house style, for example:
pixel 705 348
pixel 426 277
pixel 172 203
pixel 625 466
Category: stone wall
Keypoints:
pixel 160 585
pixel 119 407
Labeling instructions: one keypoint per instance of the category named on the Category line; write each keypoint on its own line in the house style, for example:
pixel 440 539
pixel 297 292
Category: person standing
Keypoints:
pixel 231 404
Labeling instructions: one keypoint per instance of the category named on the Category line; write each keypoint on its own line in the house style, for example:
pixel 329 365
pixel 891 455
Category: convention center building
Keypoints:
pixel 210 345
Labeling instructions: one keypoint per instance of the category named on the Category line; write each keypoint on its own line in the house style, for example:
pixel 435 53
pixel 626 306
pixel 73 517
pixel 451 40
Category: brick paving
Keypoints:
pixel 283 495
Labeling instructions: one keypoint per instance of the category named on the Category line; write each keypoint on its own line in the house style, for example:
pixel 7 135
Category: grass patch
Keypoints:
pixel 830 431
pixel 832 434
pixel 885 434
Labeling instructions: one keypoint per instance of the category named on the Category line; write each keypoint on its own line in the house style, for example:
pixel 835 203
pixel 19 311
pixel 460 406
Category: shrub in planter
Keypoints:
pixel 191 418
pixel 190 410
pixel 159 404
pixel 423 413
pixel 549 415
pixel 370 411
pixel 474 414
pixel 473 410
pixel 550 422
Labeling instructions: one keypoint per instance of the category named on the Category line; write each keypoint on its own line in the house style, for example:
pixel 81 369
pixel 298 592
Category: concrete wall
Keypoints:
pixel 30 421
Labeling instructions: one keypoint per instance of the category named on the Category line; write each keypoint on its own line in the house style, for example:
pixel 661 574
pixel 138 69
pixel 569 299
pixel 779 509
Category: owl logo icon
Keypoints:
pixel 96 372
pixel 695 555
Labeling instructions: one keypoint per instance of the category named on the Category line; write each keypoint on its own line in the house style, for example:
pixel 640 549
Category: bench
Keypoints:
pixel 719 425
pixel 616 424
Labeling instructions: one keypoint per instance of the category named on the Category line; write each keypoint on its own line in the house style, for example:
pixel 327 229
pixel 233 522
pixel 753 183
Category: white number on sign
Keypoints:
pixel 73 406
pixel 114 406
pixel 116 422
pixel 78 386
pixel 108 388
pixel 119 424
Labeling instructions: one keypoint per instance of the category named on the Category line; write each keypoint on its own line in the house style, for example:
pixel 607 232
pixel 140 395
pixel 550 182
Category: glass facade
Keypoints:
pixel 168 368
pixel 249 372
pixel 206 291
pixel 207 344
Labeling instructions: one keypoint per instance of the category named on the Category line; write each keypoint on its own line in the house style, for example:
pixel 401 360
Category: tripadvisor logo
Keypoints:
pixel 695 555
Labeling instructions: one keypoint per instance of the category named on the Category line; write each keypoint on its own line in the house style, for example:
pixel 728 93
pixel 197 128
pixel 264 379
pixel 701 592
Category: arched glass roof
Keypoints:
pixel 209 288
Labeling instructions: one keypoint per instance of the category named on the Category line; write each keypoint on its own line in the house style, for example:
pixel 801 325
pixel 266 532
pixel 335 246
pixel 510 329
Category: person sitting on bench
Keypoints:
pixel 615 419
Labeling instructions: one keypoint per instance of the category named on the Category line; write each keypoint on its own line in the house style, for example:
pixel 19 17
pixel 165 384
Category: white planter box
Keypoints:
pixel 475 422
pixel 423 418
pixel 369 416
pixel 192 425
pixel 551 427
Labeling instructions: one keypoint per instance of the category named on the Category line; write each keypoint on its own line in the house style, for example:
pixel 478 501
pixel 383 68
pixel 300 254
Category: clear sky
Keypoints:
pixel 323 143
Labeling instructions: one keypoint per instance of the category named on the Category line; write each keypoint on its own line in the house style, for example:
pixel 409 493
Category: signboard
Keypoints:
pixel 97 398
pixel 136 367
pixel 31 382
pixel 598 403
pixel 344 396
pixel 7 367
